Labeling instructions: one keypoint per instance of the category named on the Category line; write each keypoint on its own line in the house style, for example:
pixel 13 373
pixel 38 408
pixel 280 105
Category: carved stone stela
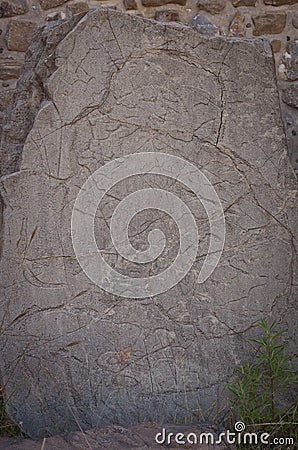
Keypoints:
pixel 149 222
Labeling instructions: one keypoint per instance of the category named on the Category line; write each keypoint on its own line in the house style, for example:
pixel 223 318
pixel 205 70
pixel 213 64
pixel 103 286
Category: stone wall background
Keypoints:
pixel 277 20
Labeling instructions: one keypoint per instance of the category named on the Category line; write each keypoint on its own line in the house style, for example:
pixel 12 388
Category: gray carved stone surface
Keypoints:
pixel 119 85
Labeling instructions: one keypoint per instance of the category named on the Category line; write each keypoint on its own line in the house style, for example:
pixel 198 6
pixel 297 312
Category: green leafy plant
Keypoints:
pixel 7 427
pixel 260 387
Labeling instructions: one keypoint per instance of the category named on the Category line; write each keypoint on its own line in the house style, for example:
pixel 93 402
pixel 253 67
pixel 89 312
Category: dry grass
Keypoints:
pixel 7 427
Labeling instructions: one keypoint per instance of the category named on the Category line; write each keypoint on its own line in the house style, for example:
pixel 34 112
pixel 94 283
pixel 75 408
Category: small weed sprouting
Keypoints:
pixel 7 427
pixel 258 388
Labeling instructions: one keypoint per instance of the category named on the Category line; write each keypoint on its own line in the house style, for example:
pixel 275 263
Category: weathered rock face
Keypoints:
pixel 173 114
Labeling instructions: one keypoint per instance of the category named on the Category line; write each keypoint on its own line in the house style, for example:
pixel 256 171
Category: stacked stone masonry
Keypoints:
pixel 277 20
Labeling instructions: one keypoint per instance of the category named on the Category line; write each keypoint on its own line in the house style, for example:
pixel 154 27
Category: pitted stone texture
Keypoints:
pixel 10 68
pixel 12 8
pixel 276 45
pixel 19 35
pixel 130 4
pixel 290 62
pixel 48 4
pixel 166 16
pixel 213 6
pixel 117 85
pixel 291 129
pixel 238 3
pixel 162 2
pixel 77 8
pixel 290 96
pixel 269 23
pixel 237 26
pixel 280 2
pixel 204 26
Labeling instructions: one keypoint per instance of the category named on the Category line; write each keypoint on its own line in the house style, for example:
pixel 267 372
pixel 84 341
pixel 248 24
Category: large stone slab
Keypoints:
pixel 169 130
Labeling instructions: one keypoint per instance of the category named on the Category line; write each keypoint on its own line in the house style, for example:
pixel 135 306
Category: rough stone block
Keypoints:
pixel 237 3
pixel 48 4
pixel 276 45
pixel 12 8
pixel 269 23
pixel 280 2
pixel 204 26
pixel 77 8
pixel 57 16
pixel 213 6
pixel 19 35
pixel 167 16
pixel 151 127
pixel 288 68
pixel 10 68
pixel 162 2
pixel 237 26
pixel 290 96
pixel 5 98
pixel 130 4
